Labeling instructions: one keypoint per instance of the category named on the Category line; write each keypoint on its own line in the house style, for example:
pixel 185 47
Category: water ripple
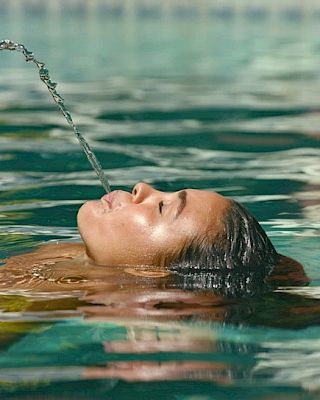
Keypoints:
pixel 55 231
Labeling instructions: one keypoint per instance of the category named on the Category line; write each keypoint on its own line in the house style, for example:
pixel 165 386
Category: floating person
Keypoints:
pixel 196 238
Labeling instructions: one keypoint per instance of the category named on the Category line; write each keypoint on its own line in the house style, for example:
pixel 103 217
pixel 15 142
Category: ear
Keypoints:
pixel 288 272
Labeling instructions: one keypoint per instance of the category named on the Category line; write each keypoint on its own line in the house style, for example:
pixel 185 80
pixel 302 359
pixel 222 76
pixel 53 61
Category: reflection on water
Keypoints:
pixel 64 320
pixel 231 106
pixel 157 335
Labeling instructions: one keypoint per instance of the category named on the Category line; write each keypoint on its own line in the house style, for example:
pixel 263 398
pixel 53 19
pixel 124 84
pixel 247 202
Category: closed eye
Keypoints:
pixel 160 207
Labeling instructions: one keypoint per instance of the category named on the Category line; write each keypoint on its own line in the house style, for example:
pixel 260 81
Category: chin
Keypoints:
pixel 88 225
pixel 81 215
pixel 88 211
pixel 85 232
pixel 84 220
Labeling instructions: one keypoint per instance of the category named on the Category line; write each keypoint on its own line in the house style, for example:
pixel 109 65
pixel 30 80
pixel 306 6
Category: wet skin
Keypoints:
pixel 145 226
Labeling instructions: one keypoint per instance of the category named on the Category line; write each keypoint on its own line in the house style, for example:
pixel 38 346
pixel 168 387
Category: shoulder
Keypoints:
pixel 51 251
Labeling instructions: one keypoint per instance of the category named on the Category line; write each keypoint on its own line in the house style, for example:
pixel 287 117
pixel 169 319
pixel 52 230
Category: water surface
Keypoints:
pixel 223 104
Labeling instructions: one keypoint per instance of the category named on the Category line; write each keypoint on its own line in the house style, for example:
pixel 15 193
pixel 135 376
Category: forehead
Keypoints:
pixel 204 198
pixel 207 209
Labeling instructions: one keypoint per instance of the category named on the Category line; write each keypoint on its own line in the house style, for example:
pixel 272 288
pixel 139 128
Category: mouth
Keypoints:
pixel 107 199
pixel 114 201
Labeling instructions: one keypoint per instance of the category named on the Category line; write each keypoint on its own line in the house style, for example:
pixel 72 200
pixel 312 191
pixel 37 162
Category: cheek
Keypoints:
pixel 169 239
pixel 140 221
pixel 127 227
pixel 159 234
pixel 124 228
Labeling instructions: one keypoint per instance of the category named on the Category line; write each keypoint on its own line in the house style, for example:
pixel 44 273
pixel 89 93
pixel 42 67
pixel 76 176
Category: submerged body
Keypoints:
pixel 60 277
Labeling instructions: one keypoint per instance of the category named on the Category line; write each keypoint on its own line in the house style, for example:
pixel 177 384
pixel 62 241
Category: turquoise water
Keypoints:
pixel 223 104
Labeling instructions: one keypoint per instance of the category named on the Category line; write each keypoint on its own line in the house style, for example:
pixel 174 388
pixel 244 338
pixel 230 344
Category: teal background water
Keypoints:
pixel 219 103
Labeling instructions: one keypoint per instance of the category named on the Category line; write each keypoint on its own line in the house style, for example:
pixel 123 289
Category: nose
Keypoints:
pixel 141 191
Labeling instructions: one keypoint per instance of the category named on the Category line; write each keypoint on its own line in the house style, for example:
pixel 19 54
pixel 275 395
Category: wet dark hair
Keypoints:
pixel 235 262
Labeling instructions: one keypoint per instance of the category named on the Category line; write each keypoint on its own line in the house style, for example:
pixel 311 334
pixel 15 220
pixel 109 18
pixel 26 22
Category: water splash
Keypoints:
pixel 45 77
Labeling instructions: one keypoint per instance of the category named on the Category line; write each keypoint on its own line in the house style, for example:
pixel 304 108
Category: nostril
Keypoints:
pixel 138 191
pixel 135 190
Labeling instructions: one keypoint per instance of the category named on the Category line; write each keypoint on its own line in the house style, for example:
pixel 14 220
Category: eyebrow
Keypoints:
pixel 183 201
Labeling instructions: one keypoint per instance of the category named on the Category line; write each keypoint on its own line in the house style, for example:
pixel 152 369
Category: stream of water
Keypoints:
pixel 45 77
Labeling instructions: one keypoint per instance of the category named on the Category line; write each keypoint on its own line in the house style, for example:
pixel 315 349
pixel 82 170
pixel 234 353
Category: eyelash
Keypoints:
pixel 160 207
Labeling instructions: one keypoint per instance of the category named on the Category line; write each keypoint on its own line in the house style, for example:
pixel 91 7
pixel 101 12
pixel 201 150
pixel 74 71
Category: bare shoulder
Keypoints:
pixel 51 251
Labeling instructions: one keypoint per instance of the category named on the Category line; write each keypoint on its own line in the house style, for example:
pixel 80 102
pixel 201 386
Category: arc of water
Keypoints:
pixel 45 77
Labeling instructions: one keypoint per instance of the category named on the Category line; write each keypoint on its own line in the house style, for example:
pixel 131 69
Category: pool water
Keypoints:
pixel 219 103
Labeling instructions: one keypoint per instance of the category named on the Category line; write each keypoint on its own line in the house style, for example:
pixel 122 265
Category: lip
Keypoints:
pixel 109 198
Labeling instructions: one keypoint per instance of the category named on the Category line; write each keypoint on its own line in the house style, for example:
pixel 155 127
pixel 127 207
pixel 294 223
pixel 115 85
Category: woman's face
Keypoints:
pixel 141 227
